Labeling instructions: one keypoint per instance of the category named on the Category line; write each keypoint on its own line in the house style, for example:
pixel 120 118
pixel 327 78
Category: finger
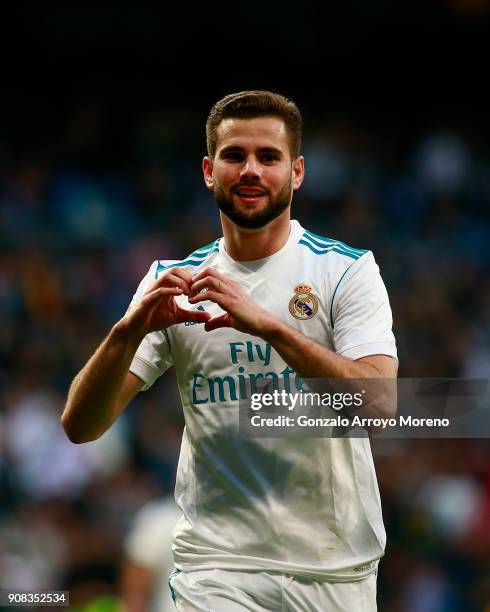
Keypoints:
pixel 172 280
pixel 183 274
pixel 212 296
pixel 198 316
pixel 208 283
pixel 210 272
pixel 153 297
pixel 217 322
pixel 203 274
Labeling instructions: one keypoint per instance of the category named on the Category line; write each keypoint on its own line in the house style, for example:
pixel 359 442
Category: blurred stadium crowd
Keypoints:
pixel 78 233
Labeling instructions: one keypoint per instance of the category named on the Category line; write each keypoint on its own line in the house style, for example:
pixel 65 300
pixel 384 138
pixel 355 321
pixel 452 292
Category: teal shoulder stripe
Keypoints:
pixel 200 254
pixel 209 246
pixel 322 242
pixel 188 262
pixel 329 249
pixel 159 268
pixel 333 296
pixel 336 243
pixel 342 252
pixel 206 248
pixel 191 261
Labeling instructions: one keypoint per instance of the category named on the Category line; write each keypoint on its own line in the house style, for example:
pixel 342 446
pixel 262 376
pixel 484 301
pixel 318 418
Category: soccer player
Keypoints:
pixel 268 524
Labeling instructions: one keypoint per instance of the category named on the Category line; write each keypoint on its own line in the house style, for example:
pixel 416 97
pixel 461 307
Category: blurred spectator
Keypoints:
pixel 429 589
pixel 148 558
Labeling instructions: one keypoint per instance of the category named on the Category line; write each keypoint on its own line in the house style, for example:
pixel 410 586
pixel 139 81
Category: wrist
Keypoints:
pixel 124 331
pixel 272 329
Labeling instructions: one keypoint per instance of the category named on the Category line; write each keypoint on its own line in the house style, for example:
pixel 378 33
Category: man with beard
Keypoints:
pixel 268 524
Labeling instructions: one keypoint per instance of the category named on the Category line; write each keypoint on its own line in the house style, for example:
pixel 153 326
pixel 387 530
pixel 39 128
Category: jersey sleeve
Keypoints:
pixel 153 356
pixel 360 313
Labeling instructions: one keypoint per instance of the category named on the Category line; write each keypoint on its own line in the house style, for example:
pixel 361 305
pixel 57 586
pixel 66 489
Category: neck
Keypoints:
pixel 248 245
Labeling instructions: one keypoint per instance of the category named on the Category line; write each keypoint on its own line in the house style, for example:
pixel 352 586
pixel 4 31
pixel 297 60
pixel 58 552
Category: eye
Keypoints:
pixel 269 158
pixel 234 156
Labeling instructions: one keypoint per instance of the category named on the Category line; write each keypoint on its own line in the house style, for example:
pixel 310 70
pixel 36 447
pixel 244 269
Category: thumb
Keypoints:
pixel 222 321
pixel 198 316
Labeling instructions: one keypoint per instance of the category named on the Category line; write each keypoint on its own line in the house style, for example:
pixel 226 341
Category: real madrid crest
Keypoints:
pixel 303 305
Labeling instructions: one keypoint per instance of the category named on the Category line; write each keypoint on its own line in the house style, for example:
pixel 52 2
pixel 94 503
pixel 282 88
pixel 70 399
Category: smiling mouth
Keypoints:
pixel 247 199
pixel 249 195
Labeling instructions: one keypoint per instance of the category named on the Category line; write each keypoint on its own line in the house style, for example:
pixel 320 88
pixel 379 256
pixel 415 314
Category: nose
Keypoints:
pixel 250 168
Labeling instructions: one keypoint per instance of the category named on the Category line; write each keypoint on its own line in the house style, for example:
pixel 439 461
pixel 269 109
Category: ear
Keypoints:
pixel 207 170
pixel 298 172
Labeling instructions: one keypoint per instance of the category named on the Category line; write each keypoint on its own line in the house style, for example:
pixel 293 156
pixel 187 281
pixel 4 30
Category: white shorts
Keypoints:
pixel 218 590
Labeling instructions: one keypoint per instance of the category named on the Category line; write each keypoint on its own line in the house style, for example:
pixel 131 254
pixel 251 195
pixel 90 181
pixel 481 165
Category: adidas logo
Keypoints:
pixel 188 323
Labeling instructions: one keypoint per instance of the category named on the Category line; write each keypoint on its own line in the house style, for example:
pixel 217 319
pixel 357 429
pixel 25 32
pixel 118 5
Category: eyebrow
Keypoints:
pixel 232 148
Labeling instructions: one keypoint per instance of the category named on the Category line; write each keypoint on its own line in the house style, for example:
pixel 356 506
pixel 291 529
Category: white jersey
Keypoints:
pixel 306 506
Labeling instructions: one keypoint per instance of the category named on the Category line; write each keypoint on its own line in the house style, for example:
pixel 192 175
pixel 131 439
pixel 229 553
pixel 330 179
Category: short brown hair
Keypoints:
pixel 252 104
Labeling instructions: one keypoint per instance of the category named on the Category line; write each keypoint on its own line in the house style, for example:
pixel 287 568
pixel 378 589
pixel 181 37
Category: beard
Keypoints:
pixel 254 219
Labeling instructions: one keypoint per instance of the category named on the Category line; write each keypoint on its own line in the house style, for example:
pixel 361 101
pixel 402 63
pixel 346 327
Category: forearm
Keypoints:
pixel 310 359
pixel 92 403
